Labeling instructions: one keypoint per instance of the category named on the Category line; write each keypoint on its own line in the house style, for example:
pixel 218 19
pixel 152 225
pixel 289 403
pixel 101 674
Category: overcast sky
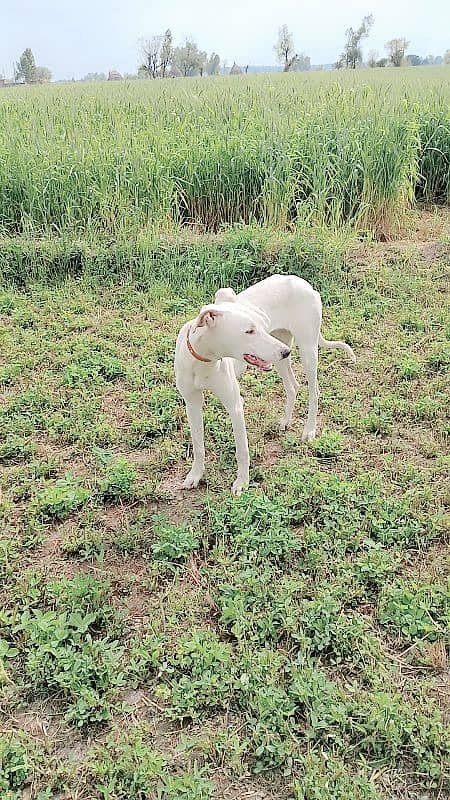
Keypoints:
pixel 73 37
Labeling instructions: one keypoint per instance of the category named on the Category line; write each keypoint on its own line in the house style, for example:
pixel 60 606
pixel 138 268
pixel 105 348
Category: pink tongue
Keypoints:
pixel 257 362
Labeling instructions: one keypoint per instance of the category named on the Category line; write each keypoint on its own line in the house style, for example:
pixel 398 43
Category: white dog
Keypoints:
pixel 255 327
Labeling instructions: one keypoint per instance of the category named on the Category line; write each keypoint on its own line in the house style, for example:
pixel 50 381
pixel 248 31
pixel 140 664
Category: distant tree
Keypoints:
pixel 189 59
pixel 43 75
pixel 447 57
pixel 414 60
pixel 94 76
pixel 383 62
pixel 430 60
pixel 25 70
pixel 212 66
pixel 395 49
pixel 151 52
pixel 285 49
pixel 302 63
pixel 372 59
pixel 352 54
pixel 201 58
pixel 165 53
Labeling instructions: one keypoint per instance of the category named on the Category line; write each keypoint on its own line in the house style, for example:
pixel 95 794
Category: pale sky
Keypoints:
pixel 73 37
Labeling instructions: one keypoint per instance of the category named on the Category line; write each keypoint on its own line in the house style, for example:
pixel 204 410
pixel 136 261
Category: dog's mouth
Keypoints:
pixel 257 362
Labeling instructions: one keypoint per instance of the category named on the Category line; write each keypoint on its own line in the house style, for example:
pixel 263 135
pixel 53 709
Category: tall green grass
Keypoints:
pixel 274 150
pixel 235 257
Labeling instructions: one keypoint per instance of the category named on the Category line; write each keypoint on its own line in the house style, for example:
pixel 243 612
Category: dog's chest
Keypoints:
pixel 222 373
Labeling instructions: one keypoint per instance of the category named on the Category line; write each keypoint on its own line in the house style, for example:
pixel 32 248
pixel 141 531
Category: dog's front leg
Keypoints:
pixel 194 409
pixel 228 392
pixel 242 456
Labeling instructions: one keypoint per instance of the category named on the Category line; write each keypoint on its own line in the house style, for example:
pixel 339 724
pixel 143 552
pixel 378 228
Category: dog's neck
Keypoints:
pixel 192 345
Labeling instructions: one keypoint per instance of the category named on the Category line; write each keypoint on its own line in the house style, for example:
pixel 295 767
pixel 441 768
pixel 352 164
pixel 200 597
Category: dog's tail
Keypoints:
pixel 337 346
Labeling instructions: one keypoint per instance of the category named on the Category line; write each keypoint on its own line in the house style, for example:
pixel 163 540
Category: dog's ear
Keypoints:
pixel 226 295
pixel 207 316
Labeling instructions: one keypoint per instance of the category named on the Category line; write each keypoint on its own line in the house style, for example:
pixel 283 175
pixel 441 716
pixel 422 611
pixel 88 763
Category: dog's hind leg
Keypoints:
pixel 309 356
pixel 284 369
pixel 306 334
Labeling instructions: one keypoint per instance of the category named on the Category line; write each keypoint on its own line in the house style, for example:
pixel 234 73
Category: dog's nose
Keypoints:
pixel 285 353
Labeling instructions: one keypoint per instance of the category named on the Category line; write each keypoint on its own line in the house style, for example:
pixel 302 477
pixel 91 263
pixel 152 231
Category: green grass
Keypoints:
pixel 161 644
pixel 277 150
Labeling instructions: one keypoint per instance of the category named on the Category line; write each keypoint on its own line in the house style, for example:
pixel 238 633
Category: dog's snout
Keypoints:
pixel 285 352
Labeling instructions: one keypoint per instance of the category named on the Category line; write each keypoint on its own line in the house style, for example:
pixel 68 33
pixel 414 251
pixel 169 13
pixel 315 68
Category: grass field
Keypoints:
pixel 289 644
pixel 274 149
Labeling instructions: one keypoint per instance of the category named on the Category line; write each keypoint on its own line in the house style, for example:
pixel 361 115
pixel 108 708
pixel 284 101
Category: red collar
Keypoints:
pixel 193 353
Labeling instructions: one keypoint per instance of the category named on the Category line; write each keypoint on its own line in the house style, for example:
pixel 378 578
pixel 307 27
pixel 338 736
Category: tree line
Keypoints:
pixel 161 58
pixel 352 57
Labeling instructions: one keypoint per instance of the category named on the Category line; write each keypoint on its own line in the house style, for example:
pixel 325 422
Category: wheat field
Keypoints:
pixel 327 148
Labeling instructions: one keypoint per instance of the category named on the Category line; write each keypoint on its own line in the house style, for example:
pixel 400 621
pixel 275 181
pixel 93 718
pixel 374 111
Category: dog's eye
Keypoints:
pixel 252 330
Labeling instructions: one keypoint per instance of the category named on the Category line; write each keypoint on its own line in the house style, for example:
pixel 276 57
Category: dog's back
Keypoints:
pixel 285 299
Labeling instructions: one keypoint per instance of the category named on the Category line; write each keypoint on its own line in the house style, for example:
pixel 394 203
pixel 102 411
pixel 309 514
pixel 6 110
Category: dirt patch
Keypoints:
pixel 428 224
pixel 432 567
pixel 137 608
pixel 243 790
pixel 74 750
pixel 273 451
pixel 139 703
pixel 114 518
pixel 41 720
pixel 52 544
pixel 50 561
pixel 172 483
pixel 139 457
pixel 113 404
pixel 181 502
pixel 362 257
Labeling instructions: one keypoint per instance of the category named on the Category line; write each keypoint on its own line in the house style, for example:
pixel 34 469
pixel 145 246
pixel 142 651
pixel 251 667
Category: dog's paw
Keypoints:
pixel 309 436
pixel 238 487
pixel 191 480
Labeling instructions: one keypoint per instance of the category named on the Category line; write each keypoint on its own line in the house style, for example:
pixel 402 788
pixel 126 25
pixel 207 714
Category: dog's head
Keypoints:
pixel 235 330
